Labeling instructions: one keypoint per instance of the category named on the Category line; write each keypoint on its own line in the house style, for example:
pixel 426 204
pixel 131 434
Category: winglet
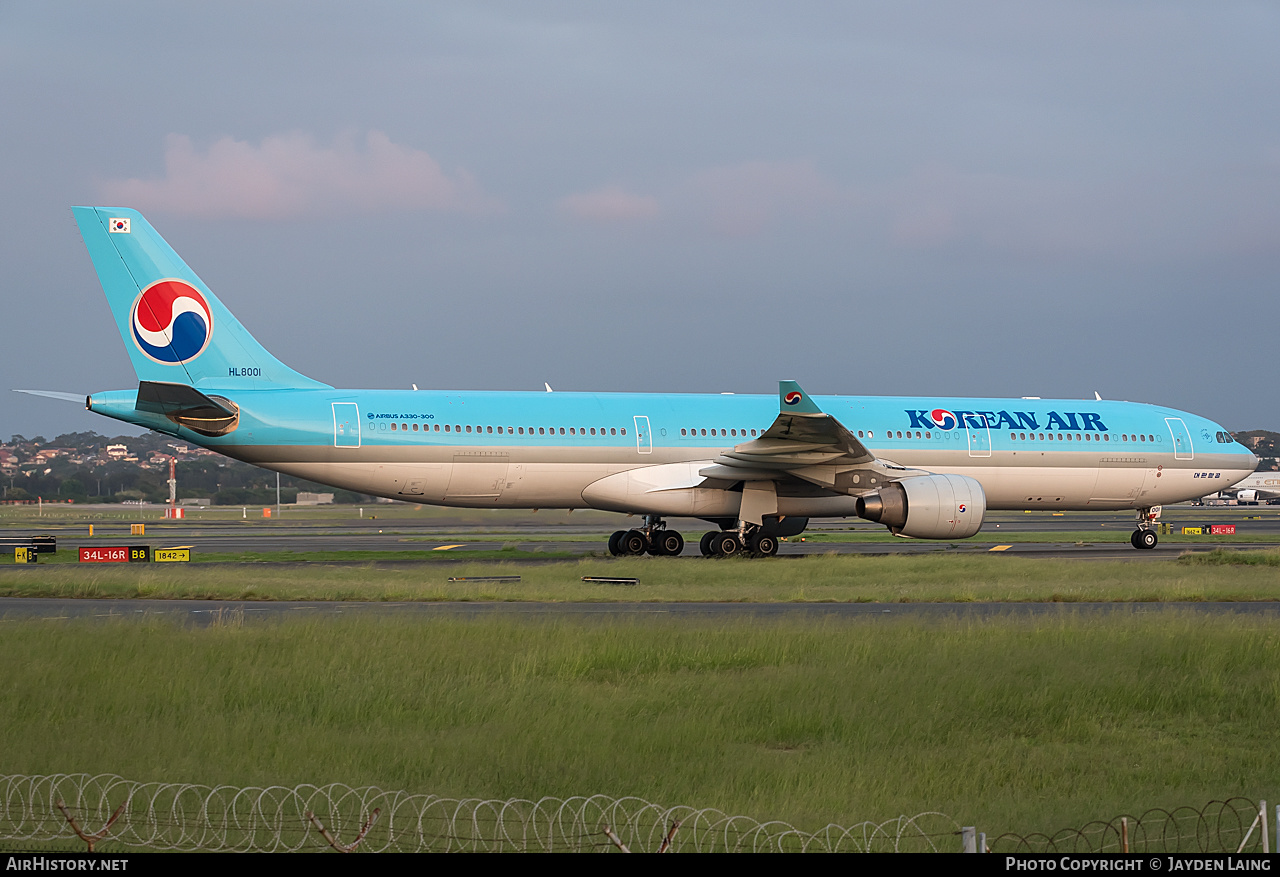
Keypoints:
pixel 793 400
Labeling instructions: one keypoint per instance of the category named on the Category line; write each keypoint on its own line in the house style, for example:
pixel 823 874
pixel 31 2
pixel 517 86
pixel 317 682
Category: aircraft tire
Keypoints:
pixel 633 544
pixel 1147 539
pixel 614 541
pixel 764 545
pixel 726 545
pixel 704 544
pixel 1133 538
pixel 668 543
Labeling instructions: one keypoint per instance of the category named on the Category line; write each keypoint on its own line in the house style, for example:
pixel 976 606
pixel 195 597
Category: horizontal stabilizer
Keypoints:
pixel 54 394
pixel 187 406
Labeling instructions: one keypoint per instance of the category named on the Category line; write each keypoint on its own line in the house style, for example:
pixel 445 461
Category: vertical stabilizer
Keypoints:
pixel 174 327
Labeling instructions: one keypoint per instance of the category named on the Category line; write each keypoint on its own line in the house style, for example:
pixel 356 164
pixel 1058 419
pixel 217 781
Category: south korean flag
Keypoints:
pixel 118 226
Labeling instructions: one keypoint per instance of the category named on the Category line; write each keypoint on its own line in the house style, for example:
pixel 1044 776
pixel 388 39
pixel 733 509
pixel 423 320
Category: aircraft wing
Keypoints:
pixel 807 443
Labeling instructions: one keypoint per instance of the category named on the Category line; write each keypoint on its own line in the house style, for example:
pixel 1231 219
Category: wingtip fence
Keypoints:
pixel 111 813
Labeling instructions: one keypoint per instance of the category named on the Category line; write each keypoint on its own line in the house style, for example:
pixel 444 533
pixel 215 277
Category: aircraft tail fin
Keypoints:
pixel 175 329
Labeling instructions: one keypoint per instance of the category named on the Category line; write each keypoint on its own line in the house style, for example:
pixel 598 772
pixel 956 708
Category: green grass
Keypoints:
pixel 1009 724
pixel 830 578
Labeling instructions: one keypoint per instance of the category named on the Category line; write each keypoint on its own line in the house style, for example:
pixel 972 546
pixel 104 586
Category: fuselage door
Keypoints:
pixel 644 441
pixel 979 435
pixel 346 425
pixel 1182 449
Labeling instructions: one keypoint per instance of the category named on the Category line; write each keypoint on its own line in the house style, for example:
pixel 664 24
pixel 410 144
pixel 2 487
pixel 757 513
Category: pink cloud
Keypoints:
pixel 290 175
pixel 741 199
pixel 609 204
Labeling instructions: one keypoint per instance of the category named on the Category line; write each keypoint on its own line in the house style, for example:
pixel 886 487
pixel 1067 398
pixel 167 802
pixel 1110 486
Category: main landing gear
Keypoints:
pixel 1144 537
pixel 750 539
pixel 653 538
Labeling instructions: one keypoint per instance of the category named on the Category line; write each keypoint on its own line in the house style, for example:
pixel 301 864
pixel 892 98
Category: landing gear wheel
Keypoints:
pixel 668 543
pixel 1146 539
pixel 764 546
pixel 704 544
pixel 633 543
pixel 726 545
pixel 614 542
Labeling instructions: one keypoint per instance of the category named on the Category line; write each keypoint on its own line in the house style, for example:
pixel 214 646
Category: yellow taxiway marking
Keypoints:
pixel 178 548
pixel 1002 548
pixel 446 547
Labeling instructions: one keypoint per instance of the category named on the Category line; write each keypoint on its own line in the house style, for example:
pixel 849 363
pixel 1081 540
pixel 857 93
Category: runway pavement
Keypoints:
pixel 407 535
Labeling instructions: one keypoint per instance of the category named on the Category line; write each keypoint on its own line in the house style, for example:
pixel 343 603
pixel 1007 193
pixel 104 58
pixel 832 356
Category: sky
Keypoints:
pixel 913 198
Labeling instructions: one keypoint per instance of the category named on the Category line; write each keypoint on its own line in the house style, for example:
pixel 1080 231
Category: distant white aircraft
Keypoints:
pixel 1258 487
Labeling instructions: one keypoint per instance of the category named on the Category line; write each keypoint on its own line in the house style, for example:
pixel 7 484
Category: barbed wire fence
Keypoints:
pixel 1230 826
pixel 115 813
pixel 110 813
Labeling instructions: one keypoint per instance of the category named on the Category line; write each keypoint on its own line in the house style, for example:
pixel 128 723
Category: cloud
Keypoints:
pixel 736 200
pixel 740 200
pixel 609 204
pixel 290 175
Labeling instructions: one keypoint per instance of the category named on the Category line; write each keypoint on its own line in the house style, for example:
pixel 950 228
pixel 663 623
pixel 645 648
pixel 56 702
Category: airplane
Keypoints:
pixel 1258 487
pixel 757 467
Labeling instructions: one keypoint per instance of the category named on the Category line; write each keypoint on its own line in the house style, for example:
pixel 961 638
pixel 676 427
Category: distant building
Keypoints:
pixel 305 498
pixel 117 452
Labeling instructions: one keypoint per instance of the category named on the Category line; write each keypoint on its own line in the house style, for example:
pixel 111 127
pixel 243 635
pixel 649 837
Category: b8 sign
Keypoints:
pixel 116 554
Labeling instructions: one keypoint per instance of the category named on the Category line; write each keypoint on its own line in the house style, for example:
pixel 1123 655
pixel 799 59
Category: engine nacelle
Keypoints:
pixel 928 507
pixel 1246 496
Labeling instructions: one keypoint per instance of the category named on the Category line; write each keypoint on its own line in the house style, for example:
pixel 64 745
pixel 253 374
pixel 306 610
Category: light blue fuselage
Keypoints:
pixel 545 449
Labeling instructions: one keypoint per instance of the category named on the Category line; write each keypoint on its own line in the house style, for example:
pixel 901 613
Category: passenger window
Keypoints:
pixel 393 426
pixel 753 432
pixel 562 430
pixel 491 429
pixel 624 430
pixel 468 427
pixel 613 431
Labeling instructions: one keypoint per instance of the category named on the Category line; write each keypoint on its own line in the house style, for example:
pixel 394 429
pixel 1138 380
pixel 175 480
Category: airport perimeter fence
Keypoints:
pixel 66 811
pixel 36 813
pixel 1231 826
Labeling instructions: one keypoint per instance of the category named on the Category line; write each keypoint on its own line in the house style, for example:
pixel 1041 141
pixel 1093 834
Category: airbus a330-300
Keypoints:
pixel 757 467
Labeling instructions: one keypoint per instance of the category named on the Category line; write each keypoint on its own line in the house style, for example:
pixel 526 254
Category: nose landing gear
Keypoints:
pixel 1144 537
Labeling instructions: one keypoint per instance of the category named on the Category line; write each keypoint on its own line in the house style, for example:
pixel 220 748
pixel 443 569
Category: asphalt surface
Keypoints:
pixel 405 534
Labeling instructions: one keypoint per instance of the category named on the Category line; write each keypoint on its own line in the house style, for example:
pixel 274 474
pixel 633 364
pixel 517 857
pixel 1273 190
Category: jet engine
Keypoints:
pixel 927 507
pixel 1247 496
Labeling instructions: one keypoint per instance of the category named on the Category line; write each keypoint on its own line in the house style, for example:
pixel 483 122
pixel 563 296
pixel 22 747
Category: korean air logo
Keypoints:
pixel 944 420
pixel 171 322
pixel 793 398
pixel 962 507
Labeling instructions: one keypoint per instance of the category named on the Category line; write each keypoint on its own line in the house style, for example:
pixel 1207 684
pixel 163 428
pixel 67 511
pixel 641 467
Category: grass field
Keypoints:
pixel 1009 724
pixel 848 578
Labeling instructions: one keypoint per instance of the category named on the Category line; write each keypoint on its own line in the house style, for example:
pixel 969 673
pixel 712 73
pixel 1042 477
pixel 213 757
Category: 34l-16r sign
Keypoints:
pixel 117 554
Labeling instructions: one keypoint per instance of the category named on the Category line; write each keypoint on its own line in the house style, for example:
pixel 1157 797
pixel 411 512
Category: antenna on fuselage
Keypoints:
pixel 548 386
pixel 1096 396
